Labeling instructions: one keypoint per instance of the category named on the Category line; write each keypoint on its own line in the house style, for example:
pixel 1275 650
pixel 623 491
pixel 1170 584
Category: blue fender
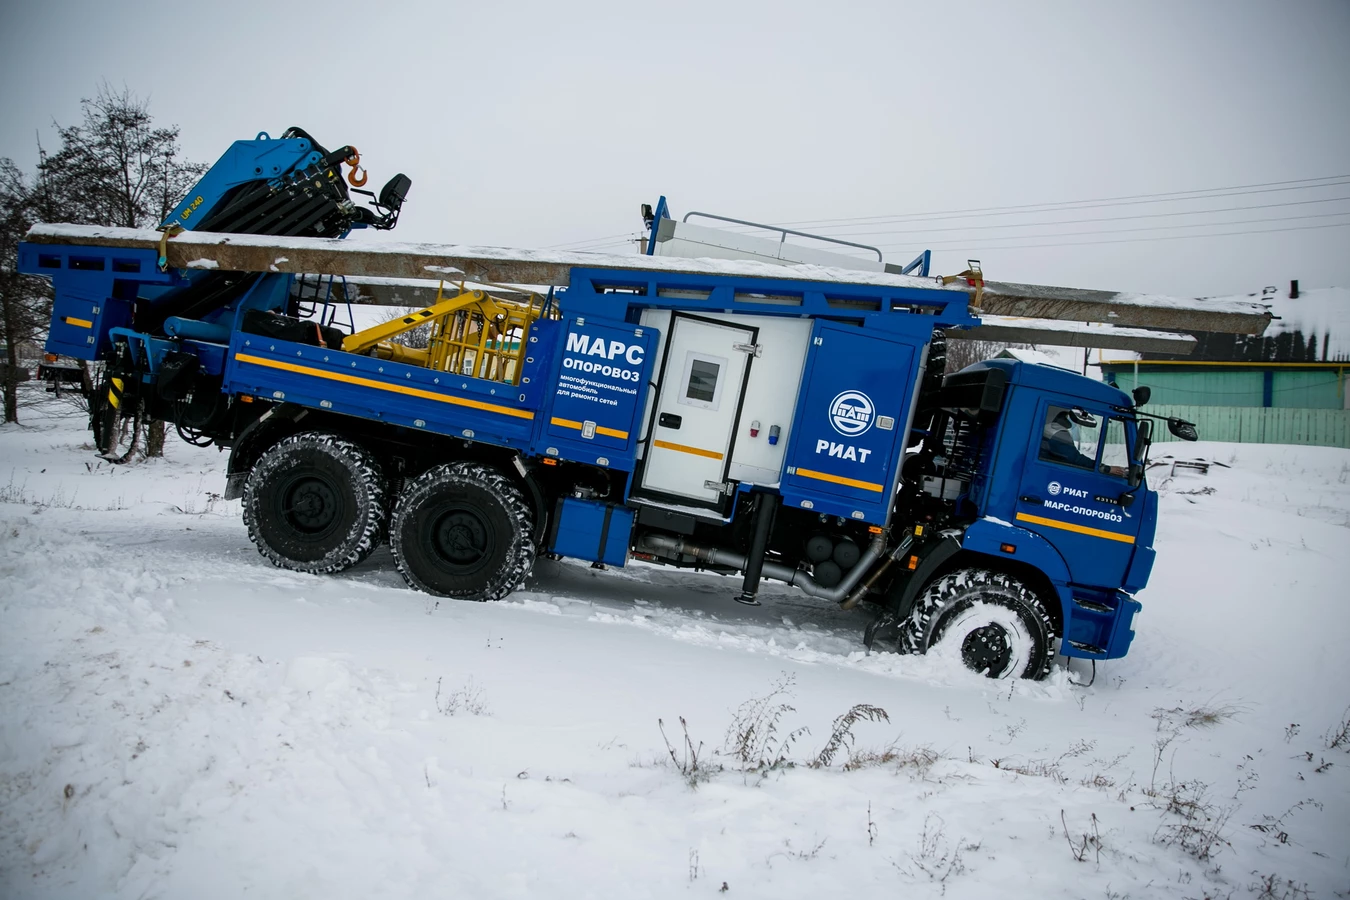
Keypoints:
pixel 988 535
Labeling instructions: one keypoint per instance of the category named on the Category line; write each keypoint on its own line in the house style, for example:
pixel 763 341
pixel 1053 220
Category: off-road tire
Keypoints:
pixel 463 530
pixel 316 502
pixel 976 607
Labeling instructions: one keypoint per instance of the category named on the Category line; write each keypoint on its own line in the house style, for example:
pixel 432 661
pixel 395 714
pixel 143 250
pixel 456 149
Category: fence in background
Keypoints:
pixel 1259 425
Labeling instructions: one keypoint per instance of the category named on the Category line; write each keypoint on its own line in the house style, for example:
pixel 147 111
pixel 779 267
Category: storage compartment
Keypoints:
pixel 585 529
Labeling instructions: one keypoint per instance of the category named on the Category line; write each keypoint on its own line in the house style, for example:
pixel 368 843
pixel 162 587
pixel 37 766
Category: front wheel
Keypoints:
pixel 463 530
pixel 992 622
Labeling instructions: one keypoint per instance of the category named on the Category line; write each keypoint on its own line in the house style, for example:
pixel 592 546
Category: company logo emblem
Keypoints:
pixel 1054 488
pixel 851 413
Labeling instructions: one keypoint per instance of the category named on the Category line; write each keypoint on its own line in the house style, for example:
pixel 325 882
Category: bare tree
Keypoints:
pixel 418 338
pixel 25 302
pixel 962 353
pixel 115 168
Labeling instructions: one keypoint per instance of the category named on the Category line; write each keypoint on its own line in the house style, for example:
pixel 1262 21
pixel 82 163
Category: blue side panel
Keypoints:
pixel 850 426
pixel 622 293
pixel 598 532
pixel 385 391
pixel 94 289
pixel 598 388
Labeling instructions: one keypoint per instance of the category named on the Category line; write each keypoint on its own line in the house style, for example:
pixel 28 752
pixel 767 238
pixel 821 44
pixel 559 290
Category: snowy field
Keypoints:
pixel 180 719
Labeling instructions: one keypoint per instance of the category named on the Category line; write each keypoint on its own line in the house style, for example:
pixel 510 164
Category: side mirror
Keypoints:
pixel 1141 395
pixel 1080 416
pixel 1183 429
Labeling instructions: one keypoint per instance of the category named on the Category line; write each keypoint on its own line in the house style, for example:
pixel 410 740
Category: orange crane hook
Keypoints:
pixel 357 176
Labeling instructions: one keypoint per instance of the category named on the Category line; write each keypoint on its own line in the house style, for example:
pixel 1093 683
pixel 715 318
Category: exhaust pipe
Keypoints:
pixel 671 545
pixel 855 598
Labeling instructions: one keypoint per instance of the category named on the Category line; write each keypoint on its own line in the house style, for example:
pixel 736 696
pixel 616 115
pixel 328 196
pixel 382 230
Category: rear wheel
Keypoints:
pixel 992 622
pixel 316 502
pixel 463 530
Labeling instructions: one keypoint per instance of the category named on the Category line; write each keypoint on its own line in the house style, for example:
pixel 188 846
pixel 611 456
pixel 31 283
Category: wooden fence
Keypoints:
pixel 1259 425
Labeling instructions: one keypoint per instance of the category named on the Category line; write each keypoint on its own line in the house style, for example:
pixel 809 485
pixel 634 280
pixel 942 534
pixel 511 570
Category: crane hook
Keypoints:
pixel 357 176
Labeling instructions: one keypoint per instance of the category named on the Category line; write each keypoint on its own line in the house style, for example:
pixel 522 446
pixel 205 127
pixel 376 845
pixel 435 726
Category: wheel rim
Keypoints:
pixel 987 649
pixel 461 538
pixel 311 505
pixel 986 636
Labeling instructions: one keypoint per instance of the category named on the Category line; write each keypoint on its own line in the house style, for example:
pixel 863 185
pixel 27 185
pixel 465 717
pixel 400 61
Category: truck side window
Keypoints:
pixel 1066 443
pixel 702 380
pixel 1115 451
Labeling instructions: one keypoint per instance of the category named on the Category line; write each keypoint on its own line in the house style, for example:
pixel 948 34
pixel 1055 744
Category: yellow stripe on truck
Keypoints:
pixel 839 479
pixel 382 386
pixel 599 429
pixel 1079 529
pixel 681 448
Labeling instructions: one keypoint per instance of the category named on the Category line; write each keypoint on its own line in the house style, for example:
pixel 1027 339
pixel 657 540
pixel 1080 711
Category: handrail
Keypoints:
pixel 786 231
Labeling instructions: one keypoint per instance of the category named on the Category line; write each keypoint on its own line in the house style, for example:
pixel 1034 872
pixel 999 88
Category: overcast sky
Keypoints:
pixel 538 124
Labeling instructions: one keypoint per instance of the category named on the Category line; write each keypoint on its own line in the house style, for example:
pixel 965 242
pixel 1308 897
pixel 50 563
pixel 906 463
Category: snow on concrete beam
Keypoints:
pixel 1075 334
pixel 1117 308
pixel 326 256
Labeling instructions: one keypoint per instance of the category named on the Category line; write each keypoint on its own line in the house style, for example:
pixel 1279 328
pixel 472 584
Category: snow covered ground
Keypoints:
pixel 180 719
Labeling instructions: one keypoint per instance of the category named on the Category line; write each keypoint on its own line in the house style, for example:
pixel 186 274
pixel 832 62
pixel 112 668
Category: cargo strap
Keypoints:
pixel 973 276
pixel 167 232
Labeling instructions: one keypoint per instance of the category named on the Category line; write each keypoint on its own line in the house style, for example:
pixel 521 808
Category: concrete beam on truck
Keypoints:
pixel 499 265
pixel 1064 334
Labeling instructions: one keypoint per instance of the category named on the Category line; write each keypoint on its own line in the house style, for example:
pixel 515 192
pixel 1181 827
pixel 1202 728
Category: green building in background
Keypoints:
pixel 1285 387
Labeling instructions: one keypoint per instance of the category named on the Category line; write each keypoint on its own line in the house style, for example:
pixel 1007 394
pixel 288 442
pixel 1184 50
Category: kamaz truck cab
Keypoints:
pixel 1028 487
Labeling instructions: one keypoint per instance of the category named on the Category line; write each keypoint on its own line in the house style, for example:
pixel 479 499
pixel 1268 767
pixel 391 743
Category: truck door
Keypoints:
pixel 698 402
pixel 1076 470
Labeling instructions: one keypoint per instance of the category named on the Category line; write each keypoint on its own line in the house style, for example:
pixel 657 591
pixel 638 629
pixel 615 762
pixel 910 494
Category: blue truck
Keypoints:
pixel 755 425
